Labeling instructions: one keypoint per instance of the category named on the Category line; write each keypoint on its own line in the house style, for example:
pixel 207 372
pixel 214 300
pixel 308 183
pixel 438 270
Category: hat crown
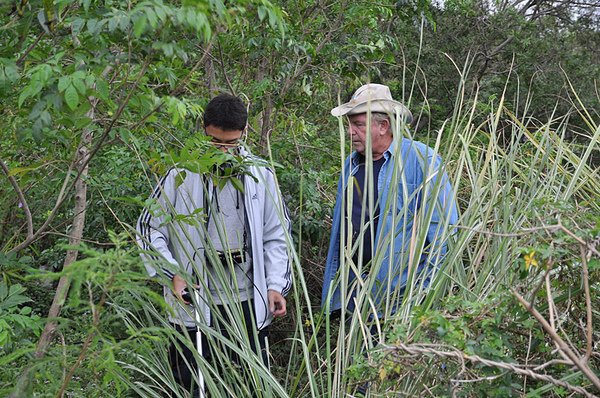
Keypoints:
pixel 372 91
pixel 374 98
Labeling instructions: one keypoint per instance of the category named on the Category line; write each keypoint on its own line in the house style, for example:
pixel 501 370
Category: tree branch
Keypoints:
pixel 588 305
pixel 559 341
pixel 25 206
pixel 422 349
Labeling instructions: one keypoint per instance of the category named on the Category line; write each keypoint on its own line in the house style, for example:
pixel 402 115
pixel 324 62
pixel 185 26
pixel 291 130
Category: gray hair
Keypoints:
pixel 380 117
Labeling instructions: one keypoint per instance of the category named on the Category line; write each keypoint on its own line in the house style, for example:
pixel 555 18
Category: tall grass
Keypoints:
pixel 510 173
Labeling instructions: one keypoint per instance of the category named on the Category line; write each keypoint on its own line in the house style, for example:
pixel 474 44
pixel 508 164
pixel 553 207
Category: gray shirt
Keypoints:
pixel 226 231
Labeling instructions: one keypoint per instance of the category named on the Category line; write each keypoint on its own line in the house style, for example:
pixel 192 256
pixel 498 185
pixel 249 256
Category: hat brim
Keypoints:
pixel 375 106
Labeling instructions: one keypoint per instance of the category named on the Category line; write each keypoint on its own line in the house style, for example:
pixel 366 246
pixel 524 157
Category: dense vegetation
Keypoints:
pixel 97 98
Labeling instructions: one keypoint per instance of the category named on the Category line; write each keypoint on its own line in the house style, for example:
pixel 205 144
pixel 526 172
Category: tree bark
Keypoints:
pixel 75 235
pixel 74 239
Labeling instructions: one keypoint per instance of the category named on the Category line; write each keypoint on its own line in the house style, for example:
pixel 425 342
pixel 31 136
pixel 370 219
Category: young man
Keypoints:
pixel 220 239
pixel 409 192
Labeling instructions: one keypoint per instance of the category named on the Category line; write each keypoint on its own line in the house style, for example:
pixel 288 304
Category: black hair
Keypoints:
pixel 226 112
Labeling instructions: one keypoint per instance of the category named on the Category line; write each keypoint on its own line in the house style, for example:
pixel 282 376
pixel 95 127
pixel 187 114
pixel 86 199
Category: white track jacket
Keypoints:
pixel 171 235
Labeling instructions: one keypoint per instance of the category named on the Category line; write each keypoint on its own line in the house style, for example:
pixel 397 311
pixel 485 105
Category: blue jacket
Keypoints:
pixel 415 176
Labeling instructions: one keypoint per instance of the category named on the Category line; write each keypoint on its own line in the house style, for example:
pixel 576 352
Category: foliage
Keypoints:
pixel 19 327
pixel 505 91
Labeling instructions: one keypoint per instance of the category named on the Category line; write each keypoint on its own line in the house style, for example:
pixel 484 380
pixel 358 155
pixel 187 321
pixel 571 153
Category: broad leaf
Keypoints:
pixel 71 97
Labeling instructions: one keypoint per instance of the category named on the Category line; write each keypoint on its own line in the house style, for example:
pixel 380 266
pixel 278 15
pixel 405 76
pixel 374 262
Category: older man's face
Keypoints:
pixel 358 130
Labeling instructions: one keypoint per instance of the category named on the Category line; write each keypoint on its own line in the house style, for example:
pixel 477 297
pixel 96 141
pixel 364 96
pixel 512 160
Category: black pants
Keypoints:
pixel 180 356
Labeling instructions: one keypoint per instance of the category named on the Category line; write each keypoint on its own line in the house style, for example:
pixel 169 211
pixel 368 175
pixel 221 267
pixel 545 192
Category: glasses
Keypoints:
pixel 228 144
pixel 224 144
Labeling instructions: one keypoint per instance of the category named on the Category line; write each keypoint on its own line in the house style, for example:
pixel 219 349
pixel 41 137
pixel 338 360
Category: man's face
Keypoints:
pixel 358 130
pixel 224 139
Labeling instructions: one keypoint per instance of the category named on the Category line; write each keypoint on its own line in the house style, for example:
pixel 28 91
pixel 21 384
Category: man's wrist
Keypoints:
pixel 275 289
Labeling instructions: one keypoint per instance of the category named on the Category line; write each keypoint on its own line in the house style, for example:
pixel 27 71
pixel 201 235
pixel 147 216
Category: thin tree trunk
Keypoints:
pixel 74 239
pixel 266 123
pixel 210 73
pixel 75 235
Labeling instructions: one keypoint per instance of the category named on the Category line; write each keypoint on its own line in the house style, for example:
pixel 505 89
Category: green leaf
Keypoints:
pixel 112 23
pixel 152 19
pixel 31 90
pixel 21 170
pixel 125 135
pixel 102 89
pixel 237 184
pixel 79 85
pixel 22 97
pixel 181 110
pixel 94 26
pixel 139 26
pixel 262 12
pixel 77 25
pixel 63 83
pixel 8 73
pixel 160 13
pixel 12 297
pixel 179 178
pixel 71 97
pixel 82 122
pixel 6 360
pixel 41 73
pixel 80 75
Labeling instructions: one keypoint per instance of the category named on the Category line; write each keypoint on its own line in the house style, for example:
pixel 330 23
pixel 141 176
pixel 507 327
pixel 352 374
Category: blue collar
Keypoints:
pixel 387 154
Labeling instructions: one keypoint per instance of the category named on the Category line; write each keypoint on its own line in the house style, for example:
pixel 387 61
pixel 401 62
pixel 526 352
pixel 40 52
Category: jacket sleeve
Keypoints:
pixel 441 201
pixel 276 225
pixel 153 236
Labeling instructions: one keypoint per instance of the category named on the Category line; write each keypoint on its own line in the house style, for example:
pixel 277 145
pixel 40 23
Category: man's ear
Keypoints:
pixel 385 127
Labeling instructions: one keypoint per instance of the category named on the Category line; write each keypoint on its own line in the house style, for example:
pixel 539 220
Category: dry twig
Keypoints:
pixel 422 349
pixel 564 348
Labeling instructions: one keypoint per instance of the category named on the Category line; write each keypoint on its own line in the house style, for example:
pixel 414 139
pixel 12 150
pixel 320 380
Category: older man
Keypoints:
pixel 393 209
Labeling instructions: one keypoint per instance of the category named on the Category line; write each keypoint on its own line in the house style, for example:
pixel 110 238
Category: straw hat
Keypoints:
pixel 374 97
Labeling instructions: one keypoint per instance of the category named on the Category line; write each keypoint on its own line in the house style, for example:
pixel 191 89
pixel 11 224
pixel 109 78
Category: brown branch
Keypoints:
pixel 40 36
pixel 582 242
pixel 107 130
pixel 422 349
pixel 588 305
pixel 30 48
pixel 176 90
pixel 488 57
pixel 223 71
pixel 75 235
pixel 21 196
pixel 64 190
pixel 564 348
pixel 59 200
pixel 525 231
pixel 182 84
pixel 62 195
pixel 74 239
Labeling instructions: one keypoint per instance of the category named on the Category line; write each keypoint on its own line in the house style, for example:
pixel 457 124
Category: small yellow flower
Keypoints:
pixel 307 323
pixel 530 260
pixel 382 374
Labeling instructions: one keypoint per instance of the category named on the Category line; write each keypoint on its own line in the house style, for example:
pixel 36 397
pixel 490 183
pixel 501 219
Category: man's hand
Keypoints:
pixel 179 286
pixel 276 304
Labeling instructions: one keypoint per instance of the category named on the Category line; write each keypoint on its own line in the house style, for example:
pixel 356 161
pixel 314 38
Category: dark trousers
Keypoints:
pixel 180 356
